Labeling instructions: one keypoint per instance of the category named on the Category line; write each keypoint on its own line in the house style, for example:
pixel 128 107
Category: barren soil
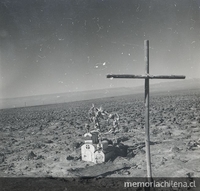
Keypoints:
pixel 45 140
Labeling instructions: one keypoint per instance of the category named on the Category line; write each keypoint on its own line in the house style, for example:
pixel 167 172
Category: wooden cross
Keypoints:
pixel 147 76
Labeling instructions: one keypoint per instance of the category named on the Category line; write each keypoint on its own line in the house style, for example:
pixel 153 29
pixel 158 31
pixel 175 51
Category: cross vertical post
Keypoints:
pixel 147 136
pixel 146 76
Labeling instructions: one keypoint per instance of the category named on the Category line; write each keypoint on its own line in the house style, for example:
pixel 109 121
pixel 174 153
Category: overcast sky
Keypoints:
pixel 53 46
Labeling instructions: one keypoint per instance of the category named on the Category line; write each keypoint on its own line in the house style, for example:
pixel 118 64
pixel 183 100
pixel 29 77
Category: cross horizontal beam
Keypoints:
pixel 146 76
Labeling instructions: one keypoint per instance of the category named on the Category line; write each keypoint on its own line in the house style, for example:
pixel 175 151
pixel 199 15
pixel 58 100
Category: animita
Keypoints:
pixel 96 148
pixel 147 76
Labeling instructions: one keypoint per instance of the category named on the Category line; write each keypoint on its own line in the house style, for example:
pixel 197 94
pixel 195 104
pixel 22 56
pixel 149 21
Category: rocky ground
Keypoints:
pixel 45 140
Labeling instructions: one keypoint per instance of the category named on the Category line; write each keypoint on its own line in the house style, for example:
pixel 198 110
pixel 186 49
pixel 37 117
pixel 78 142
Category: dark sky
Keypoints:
pixel 53 46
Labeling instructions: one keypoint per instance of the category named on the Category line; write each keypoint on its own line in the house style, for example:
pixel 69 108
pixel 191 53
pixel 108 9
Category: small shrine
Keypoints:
pixel 96 149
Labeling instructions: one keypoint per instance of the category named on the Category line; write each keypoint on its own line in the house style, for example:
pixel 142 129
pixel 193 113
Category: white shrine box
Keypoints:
pixel 104 155
pixel 88 149
pixel 87 152
pixel 99 156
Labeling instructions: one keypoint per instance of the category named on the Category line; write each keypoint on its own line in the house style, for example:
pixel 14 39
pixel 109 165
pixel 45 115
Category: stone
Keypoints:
pixel 31 155
pixel 70 157
pixel 49 141
pixel 126 172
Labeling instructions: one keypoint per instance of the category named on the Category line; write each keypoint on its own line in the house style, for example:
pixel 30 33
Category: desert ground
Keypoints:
pixel 45 141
